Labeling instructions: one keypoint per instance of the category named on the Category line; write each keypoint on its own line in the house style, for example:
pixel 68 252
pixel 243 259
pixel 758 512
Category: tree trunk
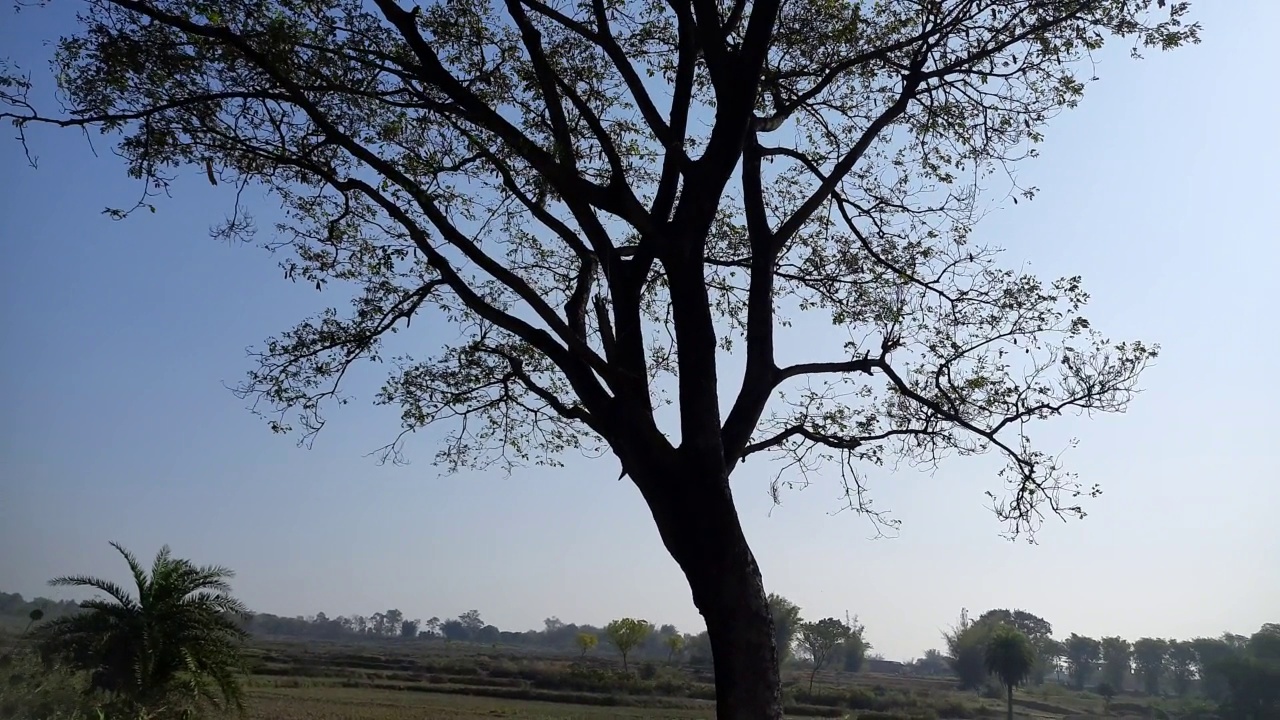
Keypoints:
pixel 693 508
pixel 1010 687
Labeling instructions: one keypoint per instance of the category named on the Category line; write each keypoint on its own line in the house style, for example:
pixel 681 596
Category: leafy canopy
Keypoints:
pixel 820 640
pixel 177 639
pixel 597 197
pixel 626 634
pixel 1010 656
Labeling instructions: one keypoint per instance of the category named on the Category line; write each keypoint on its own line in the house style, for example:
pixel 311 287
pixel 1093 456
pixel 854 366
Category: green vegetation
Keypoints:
pixel 1010 657
pixel 626 634
pixel 167 651
pixel 1082 655
pixel 586 642
pixel 820 639
pixel 379 674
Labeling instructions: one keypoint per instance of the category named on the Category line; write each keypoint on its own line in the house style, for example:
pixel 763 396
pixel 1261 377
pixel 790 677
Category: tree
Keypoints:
pixel 1038 630
pixel 1149 656
pixel 515 170
pixel 409 628
pixel 1049 653
pixel 586 642
pixel 1182 664
pixel 1210 655
pixel 454 630
pixel 1033 626
pixel 932 663
pixel 786 618
pixel 1107 691
pixel 1252 676
pixel 853 651
pixel 1010 657
pixel 675 646
pixel 820 639
pixel 966 651
pixel 178 639
pixel 488 634
pixel 470 620
pixel 626 634
pixel 1082 654
pixel 1117 660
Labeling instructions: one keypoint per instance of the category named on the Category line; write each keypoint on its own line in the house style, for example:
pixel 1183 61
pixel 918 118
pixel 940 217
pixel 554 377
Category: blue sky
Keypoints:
pixel 1160 189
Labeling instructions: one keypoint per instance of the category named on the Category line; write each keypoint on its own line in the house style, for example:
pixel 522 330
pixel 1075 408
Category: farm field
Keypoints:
pixel 322 681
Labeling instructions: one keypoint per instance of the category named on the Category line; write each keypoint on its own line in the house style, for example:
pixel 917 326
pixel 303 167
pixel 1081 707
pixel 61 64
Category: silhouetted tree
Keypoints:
pixel 603 196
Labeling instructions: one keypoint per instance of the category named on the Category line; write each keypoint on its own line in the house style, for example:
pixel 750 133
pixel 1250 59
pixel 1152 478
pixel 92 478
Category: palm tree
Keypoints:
pixel 177 642
pixel 1010 657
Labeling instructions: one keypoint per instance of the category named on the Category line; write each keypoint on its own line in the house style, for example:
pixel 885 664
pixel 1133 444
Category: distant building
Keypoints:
pixel 885 667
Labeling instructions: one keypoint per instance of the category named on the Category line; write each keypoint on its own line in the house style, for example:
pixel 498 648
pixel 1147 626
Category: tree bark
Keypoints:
pixel 699 525
pixel 1010 688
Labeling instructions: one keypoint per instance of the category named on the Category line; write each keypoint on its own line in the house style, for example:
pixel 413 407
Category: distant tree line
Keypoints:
pixel 1240 674
pixel 16 611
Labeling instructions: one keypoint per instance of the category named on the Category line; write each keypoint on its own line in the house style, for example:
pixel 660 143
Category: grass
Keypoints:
pixel 328 703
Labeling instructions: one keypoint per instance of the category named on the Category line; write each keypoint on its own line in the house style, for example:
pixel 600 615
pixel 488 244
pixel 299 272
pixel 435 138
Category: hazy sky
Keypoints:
pixel 1161 189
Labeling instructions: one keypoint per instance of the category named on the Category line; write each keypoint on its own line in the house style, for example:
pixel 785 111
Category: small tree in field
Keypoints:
pixel 675 644
pixel 626 635
pixel 620 205
pixel 820 639
pixel 586 642
pixel 1011 657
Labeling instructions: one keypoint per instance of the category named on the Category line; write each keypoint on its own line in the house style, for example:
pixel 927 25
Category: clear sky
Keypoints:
pixel 1161 189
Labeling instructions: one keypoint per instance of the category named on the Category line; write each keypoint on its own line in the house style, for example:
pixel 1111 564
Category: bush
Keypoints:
pixel 881 715
pixel 813 711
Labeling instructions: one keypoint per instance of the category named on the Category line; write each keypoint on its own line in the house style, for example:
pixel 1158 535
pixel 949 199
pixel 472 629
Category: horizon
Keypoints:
pixel 1156 189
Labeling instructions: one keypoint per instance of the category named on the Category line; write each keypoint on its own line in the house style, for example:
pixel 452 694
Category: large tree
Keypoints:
pixel 615 204
pixel 820 640
pixel 1082 654
pixel 786 619
pixel 1150 657
pixel 1010 656
pixel 1038 630
pixel 1117 661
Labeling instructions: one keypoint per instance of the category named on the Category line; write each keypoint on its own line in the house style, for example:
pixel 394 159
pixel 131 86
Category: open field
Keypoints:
pixel 330 681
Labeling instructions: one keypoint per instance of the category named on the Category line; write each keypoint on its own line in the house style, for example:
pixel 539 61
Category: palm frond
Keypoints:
pixel 135 569
pixel 116 591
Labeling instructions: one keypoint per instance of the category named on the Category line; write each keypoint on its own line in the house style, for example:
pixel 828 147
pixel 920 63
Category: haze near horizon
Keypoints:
pixel 117 425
